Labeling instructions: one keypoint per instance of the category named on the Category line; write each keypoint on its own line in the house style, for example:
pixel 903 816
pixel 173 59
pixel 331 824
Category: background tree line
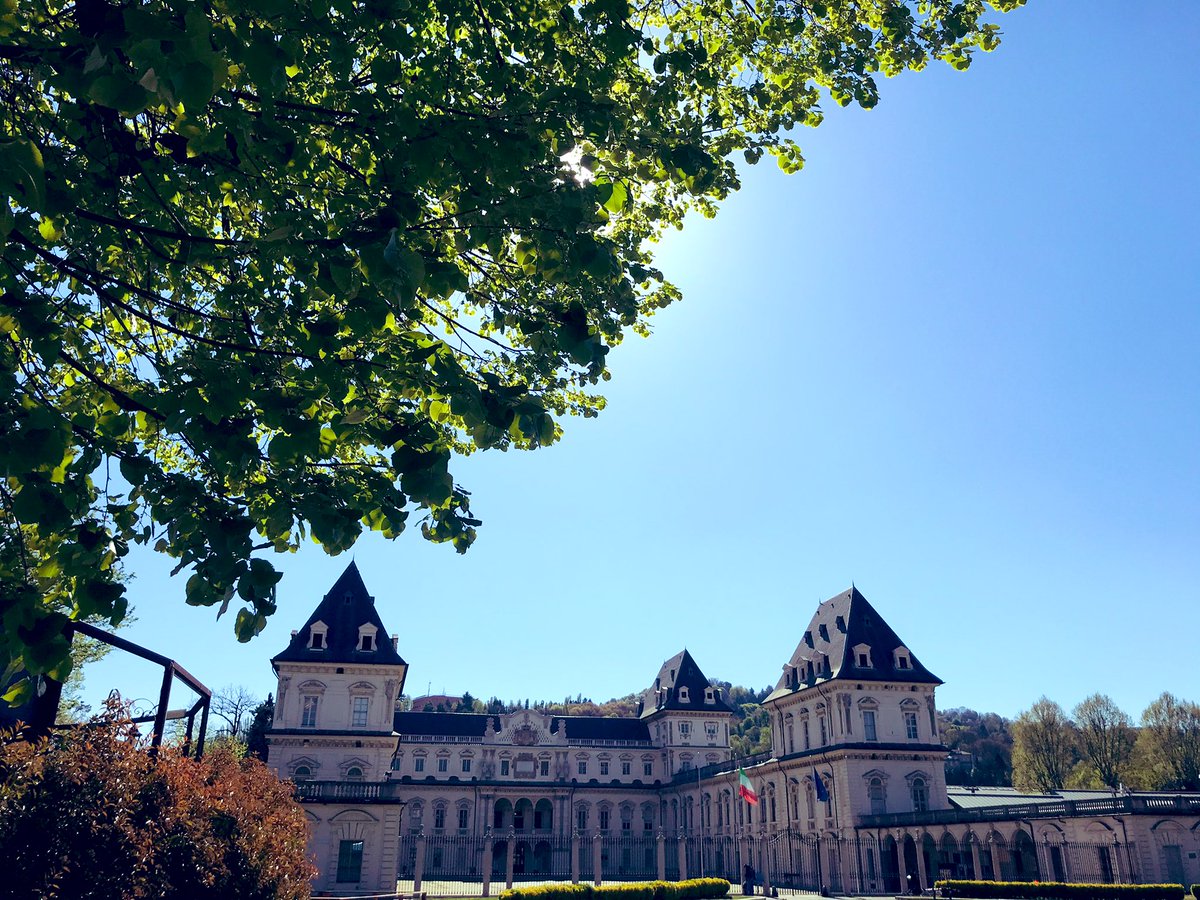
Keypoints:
pixel 1098 746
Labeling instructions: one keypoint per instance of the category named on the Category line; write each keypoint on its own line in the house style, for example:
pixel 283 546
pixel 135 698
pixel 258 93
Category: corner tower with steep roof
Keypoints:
pixel 339 678
pixel 687 716
pixel 855 708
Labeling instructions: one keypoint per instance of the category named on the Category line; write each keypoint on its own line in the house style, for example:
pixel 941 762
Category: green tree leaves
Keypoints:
pixel 269 267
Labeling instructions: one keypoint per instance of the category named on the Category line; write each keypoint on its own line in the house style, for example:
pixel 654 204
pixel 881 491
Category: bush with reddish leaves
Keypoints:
pixel 89 814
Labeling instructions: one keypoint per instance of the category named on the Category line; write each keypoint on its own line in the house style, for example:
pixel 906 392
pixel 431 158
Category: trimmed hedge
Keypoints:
pixel 1196 891
pixel 692 889
pixel 1055 890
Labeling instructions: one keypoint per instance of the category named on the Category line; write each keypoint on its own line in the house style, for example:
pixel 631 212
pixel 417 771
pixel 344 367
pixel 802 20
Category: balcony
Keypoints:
pixel 348 791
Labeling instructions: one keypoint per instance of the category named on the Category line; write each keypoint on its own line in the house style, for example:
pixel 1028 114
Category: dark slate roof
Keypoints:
pixel 593 728
pixel 840 624
pixel 679 671
pixel 343 610
pixel 443 724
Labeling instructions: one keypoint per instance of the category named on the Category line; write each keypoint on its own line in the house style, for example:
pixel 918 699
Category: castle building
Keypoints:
pixel 851 797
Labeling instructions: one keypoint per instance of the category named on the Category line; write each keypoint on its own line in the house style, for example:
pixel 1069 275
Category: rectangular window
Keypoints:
pixel 360 707
pixel 439 818
pixel 807 743
pixel 685 729
pixel 582 767
pixel 910 726
pixel 821 725
pixel 443 764
pixel 462 817
pixel 419 764
pixel 581 819
pixel 545 767
pixel 604 820
pixel 350 861
pixel 626 768
pixel 648 769
pixel 466 765
pixel 504 767
pixel 869 724
pixel 604 767
pixel 308 717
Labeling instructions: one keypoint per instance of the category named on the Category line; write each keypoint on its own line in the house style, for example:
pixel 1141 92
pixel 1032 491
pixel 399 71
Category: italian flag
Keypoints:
pixel 746 789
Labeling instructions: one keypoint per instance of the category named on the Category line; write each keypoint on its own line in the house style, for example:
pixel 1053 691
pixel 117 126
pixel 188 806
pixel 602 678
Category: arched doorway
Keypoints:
pixel 889 865
pixel 1024 858
pixel 543 816
pixel 522 815
pixel 502 815
pixel 910 865
pixel 541 857
pixel 521 858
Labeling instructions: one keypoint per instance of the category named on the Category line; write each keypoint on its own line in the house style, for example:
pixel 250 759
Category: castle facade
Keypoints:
pixel 851 798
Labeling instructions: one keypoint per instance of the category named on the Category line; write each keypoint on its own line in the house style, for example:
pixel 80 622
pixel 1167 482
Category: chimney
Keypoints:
pixel 395 642
pixel 294 633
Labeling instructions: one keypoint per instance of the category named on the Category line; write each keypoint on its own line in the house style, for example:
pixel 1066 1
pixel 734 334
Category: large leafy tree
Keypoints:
pixel 268 265
pixel 1106 739
pixel 1170 741
pixel 1045 747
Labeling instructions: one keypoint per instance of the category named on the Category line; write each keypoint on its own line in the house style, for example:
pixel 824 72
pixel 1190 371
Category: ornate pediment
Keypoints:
pixel 528 728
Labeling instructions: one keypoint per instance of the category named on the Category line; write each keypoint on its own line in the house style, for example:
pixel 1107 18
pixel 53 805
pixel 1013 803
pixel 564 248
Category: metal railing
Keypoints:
pixel 721 768
pixel 1049 810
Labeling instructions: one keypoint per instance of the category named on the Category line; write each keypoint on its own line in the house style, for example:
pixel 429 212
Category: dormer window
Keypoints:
pixel 862 656
pixel 902 658
pixel 316 636
pixel 366 637
pixel 710 695
pixel 683 695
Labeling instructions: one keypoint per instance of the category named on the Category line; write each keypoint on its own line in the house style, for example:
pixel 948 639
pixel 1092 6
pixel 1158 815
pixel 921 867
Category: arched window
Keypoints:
pixel 354 773
pixel 877 797
pixel 920 795
pixel 302 773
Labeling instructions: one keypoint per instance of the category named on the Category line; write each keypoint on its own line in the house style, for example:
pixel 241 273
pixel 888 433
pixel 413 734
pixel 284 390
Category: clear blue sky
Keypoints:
pixel 955 360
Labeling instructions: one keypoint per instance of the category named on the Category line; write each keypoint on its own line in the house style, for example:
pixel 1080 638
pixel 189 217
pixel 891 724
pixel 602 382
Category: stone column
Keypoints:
pixel 419 865
pixel 976 862
pixel 920 845
pixel 1118 869
pixel 994 850
pixel 511 849
pixel 597 860
pixel 574 856
pixel 661 842
pixel 902 863
pixel 682 856
pixel 766 866
pixel 487 861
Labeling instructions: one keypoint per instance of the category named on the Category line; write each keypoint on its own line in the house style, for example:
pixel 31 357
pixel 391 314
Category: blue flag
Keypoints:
pixel 822 794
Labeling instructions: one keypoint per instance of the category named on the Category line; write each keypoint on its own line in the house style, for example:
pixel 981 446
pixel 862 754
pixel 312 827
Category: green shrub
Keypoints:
pixel 1196 891
pixel 692 889
pixel 1054 890
pixel 90 816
